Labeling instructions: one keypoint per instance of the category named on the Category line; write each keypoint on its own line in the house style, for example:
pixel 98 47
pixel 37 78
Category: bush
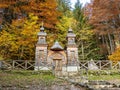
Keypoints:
pixel 115 55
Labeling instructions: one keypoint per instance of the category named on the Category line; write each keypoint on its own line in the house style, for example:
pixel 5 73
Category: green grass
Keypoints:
pixel 104 75
pixel 22 79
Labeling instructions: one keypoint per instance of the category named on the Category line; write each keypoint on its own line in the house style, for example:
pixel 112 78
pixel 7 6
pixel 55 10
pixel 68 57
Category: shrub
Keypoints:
pixel 115 55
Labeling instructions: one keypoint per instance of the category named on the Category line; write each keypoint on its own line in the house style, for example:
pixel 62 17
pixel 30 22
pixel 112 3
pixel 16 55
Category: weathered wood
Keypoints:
pixel 106 65
pixel 27 64
pixel 7 65
pixel 20 65
pixel 31 64
pixel 83 64
pixel 115 65
pixel 13 65
pixel 101 64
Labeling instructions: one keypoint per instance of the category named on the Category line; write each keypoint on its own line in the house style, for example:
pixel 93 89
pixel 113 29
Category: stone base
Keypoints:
pixel 37 68
pixel 66 70
pixel 70 70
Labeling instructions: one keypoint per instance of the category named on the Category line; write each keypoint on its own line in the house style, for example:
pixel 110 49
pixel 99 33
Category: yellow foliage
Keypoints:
pixel 19 39
pixel 115 55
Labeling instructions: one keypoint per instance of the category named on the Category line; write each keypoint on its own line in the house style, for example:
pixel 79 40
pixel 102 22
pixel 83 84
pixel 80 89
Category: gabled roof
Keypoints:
pixel 56 46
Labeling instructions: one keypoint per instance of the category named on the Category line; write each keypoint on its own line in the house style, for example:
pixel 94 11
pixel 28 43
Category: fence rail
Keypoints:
pixel 101 64
pixel 17 64
pixel 27 64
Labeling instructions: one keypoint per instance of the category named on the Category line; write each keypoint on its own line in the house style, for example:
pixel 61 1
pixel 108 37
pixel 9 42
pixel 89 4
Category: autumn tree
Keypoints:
pixel 46 10
pixel 13 9
pixel 7 43
pixel 6 3
pixel 115 57
pixel 19 39
pixel 28 40
pixel 63 26
pixel 104 16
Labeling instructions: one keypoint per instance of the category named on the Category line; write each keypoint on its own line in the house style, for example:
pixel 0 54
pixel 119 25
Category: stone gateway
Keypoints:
pixel 60 61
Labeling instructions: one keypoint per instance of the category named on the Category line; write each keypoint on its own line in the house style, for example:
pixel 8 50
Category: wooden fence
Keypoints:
pixel 17 64
pixel 101 64
pixel 29 65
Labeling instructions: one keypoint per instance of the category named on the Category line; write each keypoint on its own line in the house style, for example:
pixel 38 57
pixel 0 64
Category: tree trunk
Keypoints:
pixel 103 40
pixel 21 53
pixel 107 45
pixel 110 43
pixel 82 48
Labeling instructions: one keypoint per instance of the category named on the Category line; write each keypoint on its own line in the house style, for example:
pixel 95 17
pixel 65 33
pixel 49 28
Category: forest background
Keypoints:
pixel 96 26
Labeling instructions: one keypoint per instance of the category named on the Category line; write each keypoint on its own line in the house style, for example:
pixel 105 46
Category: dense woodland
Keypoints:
pixel 96 25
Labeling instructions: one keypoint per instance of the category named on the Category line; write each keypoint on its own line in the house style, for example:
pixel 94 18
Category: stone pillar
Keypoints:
pixel 72 54
pixel 72 50
pixel 41 49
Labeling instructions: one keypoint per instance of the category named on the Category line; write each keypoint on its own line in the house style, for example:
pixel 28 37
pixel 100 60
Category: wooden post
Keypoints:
pixel 25 64
pixel 110 64
pixel 118 65
pixel 13 64
pixel 100 65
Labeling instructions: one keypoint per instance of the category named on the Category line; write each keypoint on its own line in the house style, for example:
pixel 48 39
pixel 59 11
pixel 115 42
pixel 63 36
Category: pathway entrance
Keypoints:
pixel 57 66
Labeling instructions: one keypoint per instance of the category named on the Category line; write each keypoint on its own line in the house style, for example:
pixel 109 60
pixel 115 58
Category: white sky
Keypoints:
pixel 82 1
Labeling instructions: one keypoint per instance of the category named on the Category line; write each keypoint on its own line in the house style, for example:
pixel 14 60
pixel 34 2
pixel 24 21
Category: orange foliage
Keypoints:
pixel 102 13
pixel 18 11
pixel 115 55
pixel 46 10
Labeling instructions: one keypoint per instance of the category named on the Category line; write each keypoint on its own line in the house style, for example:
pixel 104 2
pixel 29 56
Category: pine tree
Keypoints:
pixel 85 36
pixel 65 20
pixel 64 6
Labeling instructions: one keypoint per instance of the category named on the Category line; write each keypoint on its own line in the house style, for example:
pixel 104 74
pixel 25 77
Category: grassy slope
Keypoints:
pixel 27 79
pixel 32 79
pixel 105 75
